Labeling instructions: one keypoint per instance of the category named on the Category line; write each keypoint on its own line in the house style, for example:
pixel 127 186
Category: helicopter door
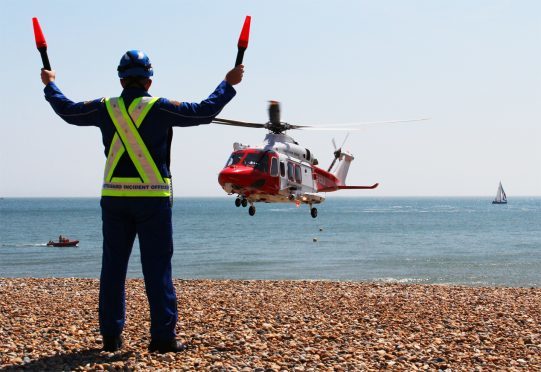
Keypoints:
pixel 291 174
pixel 283 176
pixel 307 180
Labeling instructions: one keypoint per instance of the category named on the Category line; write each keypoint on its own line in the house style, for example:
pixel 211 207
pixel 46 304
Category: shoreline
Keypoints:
pixel 301 325
pixel 377 281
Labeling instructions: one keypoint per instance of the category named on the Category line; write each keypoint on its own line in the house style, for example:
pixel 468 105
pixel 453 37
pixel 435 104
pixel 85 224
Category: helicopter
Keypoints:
pixel 280 170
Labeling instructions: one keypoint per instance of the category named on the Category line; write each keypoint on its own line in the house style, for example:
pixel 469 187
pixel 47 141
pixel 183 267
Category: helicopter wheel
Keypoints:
pixel 244 202
pixel 251 210
pixel 237 202
pixel 313 212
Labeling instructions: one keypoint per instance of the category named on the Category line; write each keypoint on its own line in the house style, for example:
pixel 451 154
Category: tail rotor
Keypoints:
pixel 337 151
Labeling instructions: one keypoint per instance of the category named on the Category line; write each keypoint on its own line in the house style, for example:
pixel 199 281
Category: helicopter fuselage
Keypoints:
pixel 279 170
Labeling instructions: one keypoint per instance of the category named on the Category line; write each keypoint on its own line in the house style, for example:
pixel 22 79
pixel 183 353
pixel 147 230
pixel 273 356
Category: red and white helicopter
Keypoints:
pixel 281 170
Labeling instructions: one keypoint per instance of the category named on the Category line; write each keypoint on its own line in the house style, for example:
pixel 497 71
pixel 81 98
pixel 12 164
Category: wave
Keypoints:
pixel 401 280
pixel 26 245
pixel 281 209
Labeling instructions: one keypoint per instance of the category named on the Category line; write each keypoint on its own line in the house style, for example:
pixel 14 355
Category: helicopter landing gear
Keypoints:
pixel 251 210
pixel 241 200
pixel 313 212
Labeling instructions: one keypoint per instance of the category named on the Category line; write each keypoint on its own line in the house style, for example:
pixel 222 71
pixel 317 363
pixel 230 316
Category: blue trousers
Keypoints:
pixel 150 219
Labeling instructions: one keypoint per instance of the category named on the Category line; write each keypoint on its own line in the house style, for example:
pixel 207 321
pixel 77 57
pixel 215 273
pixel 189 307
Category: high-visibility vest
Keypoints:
pixel 127 139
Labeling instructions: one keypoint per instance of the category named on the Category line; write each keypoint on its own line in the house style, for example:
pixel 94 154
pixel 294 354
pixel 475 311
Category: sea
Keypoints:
pixel 432 240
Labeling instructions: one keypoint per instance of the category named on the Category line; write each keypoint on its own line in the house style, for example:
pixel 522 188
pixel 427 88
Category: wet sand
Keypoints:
pixel 51 324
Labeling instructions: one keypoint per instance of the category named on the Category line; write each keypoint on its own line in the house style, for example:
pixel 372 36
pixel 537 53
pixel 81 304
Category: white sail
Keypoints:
pixel 501 198
pixel 504 197
pixel 499 193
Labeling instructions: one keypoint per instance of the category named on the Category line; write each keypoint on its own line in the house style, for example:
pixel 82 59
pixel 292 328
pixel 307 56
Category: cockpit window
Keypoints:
pixel 234 158
pixel 274 167
pixel 257 160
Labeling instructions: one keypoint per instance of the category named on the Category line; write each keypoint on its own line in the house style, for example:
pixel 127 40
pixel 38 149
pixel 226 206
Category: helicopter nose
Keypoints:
pixel 237 176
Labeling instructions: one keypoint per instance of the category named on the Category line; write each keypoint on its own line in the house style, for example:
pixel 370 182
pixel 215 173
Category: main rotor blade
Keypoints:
pixel 355 126
pixel 294 126
pixel 237 123
pixel 287 126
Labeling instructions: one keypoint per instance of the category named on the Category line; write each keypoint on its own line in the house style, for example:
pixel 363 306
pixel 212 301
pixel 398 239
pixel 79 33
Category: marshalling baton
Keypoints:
pixel 243 40
pixel 41 44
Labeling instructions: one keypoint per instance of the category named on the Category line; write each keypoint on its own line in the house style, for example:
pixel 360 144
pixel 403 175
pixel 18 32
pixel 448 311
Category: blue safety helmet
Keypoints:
pixel 135 63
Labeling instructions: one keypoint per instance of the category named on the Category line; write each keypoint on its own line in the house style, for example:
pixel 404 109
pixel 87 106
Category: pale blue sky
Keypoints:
pixel 474 67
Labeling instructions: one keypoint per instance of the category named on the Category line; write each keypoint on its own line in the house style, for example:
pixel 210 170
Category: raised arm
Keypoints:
pixel 189 114
pixel 77 113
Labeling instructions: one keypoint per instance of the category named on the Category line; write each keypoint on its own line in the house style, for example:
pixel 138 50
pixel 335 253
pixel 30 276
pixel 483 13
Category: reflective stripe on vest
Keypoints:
pixel 137 189
pixel 116 150
pixel 127 139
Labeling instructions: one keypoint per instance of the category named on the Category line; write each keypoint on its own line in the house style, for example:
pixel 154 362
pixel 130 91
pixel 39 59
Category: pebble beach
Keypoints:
pixel 235 325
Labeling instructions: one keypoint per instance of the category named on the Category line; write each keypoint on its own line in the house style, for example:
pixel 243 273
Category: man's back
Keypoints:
pixel 135 202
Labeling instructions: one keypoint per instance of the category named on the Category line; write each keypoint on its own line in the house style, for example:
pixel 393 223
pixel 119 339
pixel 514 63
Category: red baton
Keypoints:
pixel 243 40
pixel 41 44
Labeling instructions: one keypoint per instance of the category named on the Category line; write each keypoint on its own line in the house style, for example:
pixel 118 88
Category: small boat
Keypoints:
pixel 501 198
pixel 65 243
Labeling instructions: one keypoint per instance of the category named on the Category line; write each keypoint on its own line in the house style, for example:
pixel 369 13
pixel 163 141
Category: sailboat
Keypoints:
pixel 501 198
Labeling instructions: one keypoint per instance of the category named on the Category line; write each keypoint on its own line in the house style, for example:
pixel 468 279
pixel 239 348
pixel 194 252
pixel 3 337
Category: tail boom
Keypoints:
pixel 336 188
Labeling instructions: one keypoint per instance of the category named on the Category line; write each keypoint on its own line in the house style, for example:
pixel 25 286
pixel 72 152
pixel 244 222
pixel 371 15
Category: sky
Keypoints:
pixel 473 67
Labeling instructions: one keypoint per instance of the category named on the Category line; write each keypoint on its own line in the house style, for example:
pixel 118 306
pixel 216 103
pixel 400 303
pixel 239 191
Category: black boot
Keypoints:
pixel 112 343
pixel 172 346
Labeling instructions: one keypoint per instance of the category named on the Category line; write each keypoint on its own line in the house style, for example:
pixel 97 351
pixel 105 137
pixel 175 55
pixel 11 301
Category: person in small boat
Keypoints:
pixel 60 238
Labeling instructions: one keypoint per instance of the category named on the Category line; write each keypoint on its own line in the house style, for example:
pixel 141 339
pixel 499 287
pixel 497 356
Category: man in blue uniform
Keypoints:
pixel 137 131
